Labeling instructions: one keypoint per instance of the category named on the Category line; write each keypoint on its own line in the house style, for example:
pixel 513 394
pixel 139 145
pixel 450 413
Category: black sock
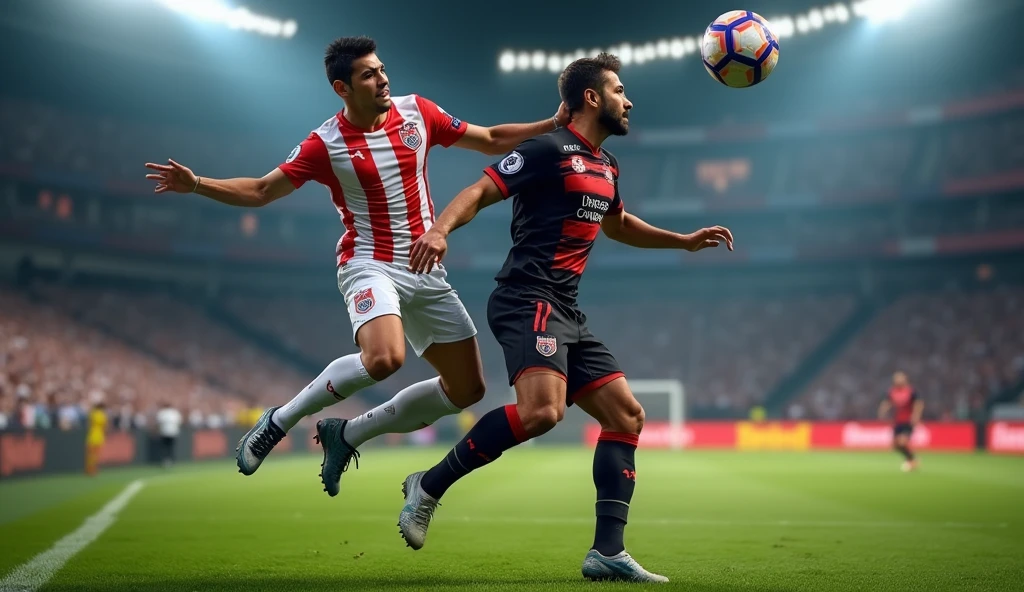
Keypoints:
pixel 615 479
pixel 907 453
pixel 496 432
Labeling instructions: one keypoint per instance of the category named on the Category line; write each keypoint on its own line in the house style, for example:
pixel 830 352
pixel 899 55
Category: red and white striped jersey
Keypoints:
pixel 378 179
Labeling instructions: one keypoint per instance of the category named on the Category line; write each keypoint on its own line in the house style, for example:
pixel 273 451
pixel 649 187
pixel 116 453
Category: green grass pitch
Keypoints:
pixel 711 521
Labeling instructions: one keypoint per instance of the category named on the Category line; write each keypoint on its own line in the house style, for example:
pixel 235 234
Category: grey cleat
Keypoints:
pixel 257 443
pixel 338 453
pixel 618 568
pixel 417 512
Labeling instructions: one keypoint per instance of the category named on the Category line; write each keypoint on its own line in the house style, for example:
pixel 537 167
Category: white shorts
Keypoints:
pixel 429 307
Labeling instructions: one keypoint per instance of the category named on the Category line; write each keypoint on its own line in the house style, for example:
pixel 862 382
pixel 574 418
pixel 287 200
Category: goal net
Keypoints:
pixel 664 403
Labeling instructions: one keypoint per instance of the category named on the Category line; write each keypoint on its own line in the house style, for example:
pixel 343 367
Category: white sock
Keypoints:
pixel 414 407
pixel 340 378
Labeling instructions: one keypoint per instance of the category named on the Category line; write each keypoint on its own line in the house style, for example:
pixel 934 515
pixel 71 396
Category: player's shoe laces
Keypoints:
pixel 417 512
pixel 257 443
pixel 618 568
pixel 338 453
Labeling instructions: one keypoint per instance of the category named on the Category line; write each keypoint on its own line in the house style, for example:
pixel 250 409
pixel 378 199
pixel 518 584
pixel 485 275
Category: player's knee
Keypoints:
pixel 541 419
pixel 382 363
pixel 626 419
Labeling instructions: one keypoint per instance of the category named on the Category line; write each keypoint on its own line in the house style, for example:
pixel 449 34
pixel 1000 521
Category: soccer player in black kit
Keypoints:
pixel 566 189
pixel 908 406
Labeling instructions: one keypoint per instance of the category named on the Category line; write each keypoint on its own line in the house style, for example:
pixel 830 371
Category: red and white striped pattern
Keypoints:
pixel 377 179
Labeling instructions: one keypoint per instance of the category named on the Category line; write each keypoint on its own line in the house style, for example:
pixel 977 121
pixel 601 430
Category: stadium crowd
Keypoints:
pixel 958 349
pixel 130 351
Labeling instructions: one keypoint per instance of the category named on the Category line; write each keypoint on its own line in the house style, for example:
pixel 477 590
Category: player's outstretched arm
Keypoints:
pixel 244 191
pixel 499 139
pixel 630 230
pixel 432 246
pixel 883 409
pixel 916 412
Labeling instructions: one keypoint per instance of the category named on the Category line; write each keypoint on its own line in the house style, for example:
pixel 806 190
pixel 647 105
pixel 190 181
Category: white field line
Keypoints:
pixel 30 576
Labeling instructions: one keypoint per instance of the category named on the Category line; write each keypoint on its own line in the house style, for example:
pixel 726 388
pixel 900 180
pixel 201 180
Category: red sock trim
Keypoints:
pixel 633 439
pixel 517 424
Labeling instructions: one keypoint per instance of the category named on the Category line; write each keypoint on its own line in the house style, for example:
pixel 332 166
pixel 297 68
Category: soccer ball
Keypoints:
pixel 740 49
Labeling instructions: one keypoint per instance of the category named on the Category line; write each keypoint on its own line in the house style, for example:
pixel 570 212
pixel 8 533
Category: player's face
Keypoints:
pixel 899 379
pixel 370 90
pixel 615 106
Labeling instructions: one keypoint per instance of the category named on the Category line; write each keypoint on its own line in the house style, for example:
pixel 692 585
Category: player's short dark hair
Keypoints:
pixel 583 74
pixel 342 52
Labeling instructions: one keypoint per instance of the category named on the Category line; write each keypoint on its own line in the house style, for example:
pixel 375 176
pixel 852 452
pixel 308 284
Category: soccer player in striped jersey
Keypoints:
pixel 372 156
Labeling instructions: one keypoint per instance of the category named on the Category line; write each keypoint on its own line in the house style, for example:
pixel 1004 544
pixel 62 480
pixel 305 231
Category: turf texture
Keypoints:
pixel 710 521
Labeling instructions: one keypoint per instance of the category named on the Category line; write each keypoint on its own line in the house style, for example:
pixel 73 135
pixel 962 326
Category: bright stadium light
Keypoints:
pixel 507 61
pixel 676 48
pixel 815 19
pixel 842 13
pixel 539 60
pixel 233 17
pixel 882 11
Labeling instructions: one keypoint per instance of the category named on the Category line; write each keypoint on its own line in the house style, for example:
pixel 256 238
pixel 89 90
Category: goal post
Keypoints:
pixel 662 399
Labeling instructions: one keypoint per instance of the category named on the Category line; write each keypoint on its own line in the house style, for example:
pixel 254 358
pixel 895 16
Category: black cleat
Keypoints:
pixel 257 443
pixel 337 453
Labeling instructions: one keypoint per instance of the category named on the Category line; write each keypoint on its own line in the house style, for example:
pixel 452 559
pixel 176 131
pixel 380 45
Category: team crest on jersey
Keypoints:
pixel 609 176
pixel 294 153
pixel 364 301
pixel 511 164
pixel 546 345
pixel 577 165
pixel 410 135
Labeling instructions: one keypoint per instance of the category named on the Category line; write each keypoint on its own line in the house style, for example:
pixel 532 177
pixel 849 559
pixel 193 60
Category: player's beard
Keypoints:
pixel 615 124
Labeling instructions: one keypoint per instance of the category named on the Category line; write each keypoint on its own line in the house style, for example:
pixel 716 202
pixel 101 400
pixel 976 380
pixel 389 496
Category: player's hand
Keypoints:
pixel 427 250
pixel 562 117
pixel 172 177
pixel 709 238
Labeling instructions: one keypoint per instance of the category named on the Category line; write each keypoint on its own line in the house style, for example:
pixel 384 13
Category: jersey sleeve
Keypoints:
pixel 616 205
pixel 531 162
pixel 442 128
pixel 309 161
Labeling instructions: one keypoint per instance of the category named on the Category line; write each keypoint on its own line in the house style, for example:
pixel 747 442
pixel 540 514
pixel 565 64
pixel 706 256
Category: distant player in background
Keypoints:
pixel 372 156
pixel 96 436
pixel 565 189
pixel 908 409
pixel 168 421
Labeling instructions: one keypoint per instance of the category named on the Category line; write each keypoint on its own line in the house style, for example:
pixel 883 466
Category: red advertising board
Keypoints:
pixel 1006 437
pixel 658 434
pixel 849 435
pixel 856 435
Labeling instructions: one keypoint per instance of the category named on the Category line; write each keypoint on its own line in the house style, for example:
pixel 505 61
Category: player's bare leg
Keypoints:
pixel 540 405
pixel 622 418
pixel 460 384
pixel 901 442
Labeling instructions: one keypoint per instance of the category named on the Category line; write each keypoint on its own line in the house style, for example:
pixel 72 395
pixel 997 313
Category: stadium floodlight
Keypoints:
pixel 815 19
pixel 233 17
pixel 882 11
pixel 507 61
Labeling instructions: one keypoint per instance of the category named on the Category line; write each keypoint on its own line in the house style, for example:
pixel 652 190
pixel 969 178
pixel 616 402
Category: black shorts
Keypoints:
pixel 536 330
pixel 902 429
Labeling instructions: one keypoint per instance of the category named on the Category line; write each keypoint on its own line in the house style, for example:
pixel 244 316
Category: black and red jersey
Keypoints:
pixel 562 189
pixel 902 399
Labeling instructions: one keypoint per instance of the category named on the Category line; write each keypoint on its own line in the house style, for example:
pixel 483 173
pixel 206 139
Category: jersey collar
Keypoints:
pixel 595 151
pixel 345 123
